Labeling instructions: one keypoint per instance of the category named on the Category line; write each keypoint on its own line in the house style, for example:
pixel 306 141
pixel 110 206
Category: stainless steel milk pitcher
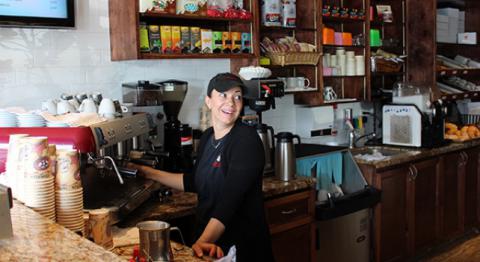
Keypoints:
pixel 155 240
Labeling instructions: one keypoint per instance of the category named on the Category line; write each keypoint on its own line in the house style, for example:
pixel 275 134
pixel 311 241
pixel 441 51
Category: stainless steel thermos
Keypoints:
pixel 285 166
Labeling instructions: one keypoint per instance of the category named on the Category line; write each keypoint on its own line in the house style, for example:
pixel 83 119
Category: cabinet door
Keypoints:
pixel 293 244
pixel 422 211
pixel 472 188
pixel 452 184
pixel 390 215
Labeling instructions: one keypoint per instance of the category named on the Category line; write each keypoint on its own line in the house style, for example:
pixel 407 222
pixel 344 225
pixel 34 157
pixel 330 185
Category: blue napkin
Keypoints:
pixel 329 169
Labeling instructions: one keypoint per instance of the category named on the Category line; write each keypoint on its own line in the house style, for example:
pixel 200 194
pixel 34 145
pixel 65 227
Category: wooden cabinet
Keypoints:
pixel 452 198
pixel 406 220
pixel 125 20
pixel 290 219
pixel 390 215
pixel 424 203
pixel 472 188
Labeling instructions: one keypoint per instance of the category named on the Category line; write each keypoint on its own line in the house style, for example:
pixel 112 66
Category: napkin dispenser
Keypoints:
pixel 6 204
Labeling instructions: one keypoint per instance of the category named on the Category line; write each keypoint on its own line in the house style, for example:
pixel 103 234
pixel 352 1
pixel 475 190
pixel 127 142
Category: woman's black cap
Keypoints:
pixel 224 82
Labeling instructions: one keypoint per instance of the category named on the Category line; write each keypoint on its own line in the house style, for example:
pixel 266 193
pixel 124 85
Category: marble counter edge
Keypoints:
pixel 424 153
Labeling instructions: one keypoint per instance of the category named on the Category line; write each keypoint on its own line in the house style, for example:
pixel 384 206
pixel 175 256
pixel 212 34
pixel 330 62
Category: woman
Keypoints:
pixel 227 178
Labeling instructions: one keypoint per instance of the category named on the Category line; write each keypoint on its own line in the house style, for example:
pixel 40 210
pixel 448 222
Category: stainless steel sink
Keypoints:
pixel 382 151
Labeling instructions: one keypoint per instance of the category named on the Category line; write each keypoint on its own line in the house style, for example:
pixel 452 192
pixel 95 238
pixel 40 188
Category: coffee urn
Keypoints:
pixel 285 161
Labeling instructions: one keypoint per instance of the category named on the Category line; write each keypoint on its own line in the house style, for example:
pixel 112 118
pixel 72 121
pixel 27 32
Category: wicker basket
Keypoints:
pixel 294 58
pixel 385 66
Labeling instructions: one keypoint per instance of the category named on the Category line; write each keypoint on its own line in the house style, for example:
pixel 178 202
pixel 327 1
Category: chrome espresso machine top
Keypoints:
pixel 104 150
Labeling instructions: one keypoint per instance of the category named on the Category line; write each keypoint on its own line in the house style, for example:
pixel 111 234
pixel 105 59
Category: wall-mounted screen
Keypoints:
pixel 37 13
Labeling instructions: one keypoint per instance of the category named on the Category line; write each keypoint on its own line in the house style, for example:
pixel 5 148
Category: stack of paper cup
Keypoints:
pixel 68 190
pixel 360 65
pixel 342 63
pixel 350 68
pixel 12 162
pixel 38 184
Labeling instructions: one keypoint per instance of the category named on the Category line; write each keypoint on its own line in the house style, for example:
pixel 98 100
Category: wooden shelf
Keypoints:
pixel 346 46
pixel 471 95
pixel 330 19
pixel 193 17
pixel 285 29
pixel 459 72
pixel 177 56
pixel 380 74
pixel 343 76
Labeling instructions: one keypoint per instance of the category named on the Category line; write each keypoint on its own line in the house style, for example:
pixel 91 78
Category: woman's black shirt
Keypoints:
pixel 228 180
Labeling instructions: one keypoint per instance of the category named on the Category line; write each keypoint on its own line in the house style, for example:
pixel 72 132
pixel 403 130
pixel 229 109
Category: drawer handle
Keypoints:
pixel 288 212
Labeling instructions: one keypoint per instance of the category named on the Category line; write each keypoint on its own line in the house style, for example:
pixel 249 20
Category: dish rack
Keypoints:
pixel 470 119
pixel 294 58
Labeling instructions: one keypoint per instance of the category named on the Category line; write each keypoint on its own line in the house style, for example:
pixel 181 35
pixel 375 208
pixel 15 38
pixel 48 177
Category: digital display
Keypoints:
pixel 34 8
pixel 37 13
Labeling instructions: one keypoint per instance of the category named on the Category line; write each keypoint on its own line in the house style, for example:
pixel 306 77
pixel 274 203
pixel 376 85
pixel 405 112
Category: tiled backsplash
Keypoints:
pixel 37 64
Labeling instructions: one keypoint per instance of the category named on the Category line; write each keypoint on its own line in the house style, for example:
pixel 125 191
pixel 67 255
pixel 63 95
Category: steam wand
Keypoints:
pixel 120 179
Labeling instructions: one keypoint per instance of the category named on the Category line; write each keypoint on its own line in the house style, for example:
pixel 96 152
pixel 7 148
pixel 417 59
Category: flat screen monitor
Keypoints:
pixel 37 13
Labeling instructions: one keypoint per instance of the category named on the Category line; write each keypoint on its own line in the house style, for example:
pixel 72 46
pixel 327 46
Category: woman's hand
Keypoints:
pixel 213 250
pixel 142 170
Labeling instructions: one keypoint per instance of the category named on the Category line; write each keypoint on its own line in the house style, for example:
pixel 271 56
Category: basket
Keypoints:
pixel 381 65
pixel 294 58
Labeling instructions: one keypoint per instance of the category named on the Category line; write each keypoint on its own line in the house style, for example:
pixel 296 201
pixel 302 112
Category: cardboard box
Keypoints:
pixel 195 39
pixel 206 36
pixel 185 43
pixel 451 12
pixel 236 42
pixel 442 26
pixel 246 43
pixel 469 38
pixel 227 42
pixel 166 36
pixel 154 38
pixel 217 42
pixel 176 39
pixel 442 18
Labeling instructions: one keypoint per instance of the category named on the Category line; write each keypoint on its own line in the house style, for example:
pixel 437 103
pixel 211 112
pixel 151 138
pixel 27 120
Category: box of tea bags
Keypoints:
pixel 143 33
pixel 195 39
pixel 246 43
pixel 206 36
pixel 176 39
pixel 236 42
pixel 166 36
pixel 154 38
pixel 226 42
pixel 217 41
pixel 185 43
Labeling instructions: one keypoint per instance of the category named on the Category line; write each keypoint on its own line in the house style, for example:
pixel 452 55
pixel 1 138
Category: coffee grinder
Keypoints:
pixel 260 94
pixel 169 141
pixel 178 141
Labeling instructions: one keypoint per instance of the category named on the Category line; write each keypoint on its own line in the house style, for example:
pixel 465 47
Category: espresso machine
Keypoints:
pixel 169 140
pixel 104 149
pixel 260 95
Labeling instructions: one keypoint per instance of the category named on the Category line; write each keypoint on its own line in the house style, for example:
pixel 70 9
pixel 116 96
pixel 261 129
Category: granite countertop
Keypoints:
pixel 413 154
pixel 37 238
pixel 182 204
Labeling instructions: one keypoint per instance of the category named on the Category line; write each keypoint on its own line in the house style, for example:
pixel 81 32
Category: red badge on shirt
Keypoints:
pixel 217 162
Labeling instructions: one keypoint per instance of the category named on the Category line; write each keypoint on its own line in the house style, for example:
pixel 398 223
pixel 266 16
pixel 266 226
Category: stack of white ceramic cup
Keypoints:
pixel 360 65
pixel 350 67
pixel 68 190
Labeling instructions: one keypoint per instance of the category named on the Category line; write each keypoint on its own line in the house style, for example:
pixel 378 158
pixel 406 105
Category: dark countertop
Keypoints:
pixel 413 154
pixel 182 204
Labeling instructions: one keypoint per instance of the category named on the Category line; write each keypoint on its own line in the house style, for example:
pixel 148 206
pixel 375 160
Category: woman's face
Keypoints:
pixel 225 106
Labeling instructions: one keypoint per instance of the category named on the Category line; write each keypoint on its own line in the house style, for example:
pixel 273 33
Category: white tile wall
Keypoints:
pixel 36 64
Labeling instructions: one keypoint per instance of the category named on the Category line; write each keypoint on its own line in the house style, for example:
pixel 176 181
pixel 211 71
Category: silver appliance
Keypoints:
pixel 402 125
pixel 266 135
pixel 285 162
pixel 260 94
pixel 6 203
